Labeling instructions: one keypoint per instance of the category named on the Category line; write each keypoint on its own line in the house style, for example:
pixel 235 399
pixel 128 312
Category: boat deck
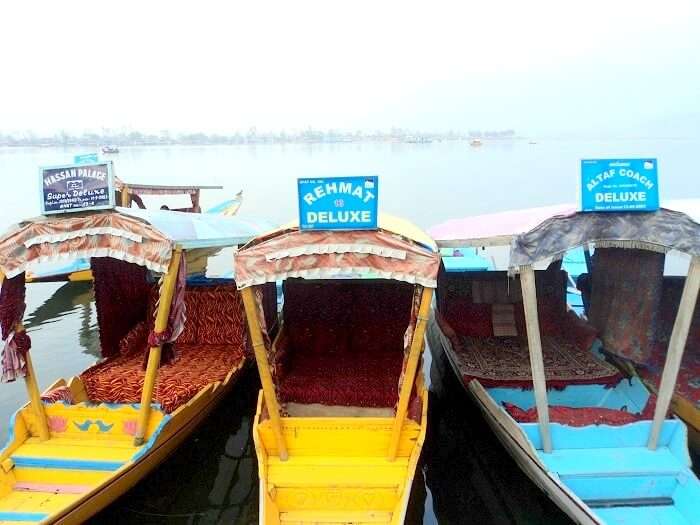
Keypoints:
pixel 87 446
pixel 613 472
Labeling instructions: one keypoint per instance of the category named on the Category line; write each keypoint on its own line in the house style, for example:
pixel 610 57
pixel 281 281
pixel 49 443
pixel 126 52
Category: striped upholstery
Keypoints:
pixel 212 345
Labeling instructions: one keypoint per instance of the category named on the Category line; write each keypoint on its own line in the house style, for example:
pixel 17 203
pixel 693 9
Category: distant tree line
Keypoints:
pixel 251 136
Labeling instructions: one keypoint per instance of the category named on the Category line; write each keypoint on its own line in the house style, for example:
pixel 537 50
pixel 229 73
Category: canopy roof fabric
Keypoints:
pixel 662 230
pixel 160 189
pixel 402 253
pixel 494 229
pixel 143 237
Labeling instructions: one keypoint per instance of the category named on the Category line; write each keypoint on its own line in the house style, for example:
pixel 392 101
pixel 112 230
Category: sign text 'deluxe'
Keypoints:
pixel 338 203
pixel 619 185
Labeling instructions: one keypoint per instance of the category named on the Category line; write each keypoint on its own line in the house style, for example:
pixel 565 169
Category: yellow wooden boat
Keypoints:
pixel 85 441
pixel 342 414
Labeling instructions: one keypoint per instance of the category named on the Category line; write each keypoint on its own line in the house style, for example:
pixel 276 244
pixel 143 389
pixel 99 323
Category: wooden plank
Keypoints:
pixel 34 395
pixel 676 346
pixel 166 296
pixel 417 344
pixel 534 343
pixel 268 386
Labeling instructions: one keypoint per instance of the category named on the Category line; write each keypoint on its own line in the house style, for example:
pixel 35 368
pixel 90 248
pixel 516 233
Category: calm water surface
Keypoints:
pixel 465 476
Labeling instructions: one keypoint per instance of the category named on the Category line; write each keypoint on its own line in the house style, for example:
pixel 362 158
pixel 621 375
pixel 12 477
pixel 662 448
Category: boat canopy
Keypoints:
pixel 143 237
pixel 397 250
pixel 493 229
pixel 659 231
pixel 159 189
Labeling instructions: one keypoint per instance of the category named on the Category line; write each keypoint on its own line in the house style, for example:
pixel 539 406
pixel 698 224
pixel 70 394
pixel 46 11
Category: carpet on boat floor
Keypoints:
pixel 505 362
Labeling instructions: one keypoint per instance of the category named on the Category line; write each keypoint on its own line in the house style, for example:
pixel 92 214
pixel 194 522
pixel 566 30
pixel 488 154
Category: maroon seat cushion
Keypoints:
pixel 583 416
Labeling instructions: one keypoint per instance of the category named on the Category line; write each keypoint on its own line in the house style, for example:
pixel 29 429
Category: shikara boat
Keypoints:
pixel 341 417
pixel 594 440
pixel 686 399
pixel 127 195
pixel 173 343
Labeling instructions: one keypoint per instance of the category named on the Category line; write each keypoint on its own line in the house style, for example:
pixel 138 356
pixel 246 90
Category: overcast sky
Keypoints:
pixel 539 67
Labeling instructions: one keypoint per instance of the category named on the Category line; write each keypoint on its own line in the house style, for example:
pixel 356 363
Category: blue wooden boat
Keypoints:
pixel 596 441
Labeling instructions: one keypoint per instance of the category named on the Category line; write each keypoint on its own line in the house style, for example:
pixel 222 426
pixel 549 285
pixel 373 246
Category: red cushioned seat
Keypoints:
pixel 343 343
pixel 120 380
pixel 583 416
pixel 211 345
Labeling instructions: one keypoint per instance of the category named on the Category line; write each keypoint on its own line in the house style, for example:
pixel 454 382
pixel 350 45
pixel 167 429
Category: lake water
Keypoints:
pixel 465 476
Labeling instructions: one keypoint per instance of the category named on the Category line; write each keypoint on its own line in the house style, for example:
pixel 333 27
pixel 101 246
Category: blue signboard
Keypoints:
pixel 75 188
pixel 338 203
pixel 88 158
pixel 619 185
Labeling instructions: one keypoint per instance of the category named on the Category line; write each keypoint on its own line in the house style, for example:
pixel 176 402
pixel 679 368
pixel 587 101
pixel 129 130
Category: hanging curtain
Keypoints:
pixel 261 299
pixel 118 284
pixel 626 287
pixel 16 342
pixel 176 319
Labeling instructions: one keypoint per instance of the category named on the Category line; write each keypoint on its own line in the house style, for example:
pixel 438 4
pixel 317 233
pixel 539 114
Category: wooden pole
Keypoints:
pixel 268 386
pixel 588 259
pixel 534 343
pixel 125 197
pixel 676 345
pixel 32 387
pixel 409 377
pixel 34 393
pixel 166 296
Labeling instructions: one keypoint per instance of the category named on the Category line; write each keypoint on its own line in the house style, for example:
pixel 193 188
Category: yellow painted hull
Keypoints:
pixel 89 460
pixel 337 471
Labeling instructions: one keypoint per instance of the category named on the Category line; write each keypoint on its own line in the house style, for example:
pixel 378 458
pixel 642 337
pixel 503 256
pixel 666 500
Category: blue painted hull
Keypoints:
pixel 597 474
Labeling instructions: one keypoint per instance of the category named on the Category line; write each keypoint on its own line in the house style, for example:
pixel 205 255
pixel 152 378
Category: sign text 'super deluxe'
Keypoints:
pixel 75 188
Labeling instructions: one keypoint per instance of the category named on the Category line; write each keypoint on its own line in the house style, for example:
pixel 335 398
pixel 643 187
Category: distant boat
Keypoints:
pixel 110 149
pixel 417 140
pixel 475 142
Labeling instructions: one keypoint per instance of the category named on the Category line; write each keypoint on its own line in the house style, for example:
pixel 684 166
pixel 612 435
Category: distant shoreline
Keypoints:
pixel 250 138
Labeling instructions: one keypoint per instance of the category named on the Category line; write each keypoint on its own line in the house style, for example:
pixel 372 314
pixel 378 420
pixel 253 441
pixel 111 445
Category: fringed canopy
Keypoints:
pixel 143 237
pixel 659 231
pixel 380 254
pixel 64 238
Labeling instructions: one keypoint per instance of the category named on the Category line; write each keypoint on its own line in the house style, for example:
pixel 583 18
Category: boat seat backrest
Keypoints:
pixel 215 315
pixel 468 300
pixel 346 316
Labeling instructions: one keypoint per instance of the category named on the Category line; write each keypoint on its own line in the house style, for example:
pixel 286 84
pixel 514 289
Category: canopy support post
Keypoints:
pixel 534 343
pixel 676 346
pixel 161 323
pixel 417 344
pixel 268 386
pixel 34 394
pixel 125 197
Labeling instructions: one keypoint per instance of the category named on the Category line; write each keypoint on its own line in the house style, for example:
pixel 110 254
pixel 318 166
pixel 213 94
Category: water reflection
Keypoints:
pixel 68 300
